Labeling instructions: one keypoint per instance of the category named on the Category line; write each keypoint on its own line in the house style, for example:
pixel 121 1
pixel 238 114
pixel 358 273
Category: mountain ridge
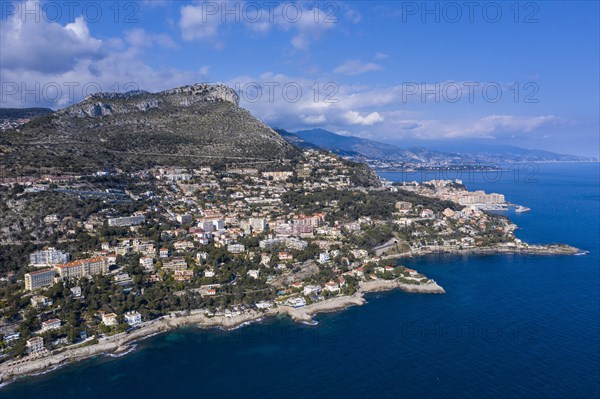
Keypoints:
pixel 185 126
pixel 366 149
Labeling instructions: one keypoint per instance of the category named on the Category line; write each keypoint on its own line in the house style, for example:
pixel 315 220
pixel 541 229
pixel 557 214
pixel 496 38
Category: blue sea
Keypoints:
pixel 508 326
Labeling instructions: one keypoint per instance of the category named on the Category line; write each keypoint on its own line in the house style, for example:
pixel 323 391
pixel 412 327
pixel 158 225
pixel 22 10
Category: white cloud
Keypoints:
pixel 314 119
pixel 354 118
pixel 356 67
pixel 205 21
pixel 45 46
pixel 490 127
pixel 48 64
pixel 197 23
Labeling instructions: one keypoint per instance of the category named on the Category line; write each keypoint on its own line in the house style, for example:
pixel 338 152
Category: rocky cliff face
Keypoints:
pixel 185 126
pixel 103 104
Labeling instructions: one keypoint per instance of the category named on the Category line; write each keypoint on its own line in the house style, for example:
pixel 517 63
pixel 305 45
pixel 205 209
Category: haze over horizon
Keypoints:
pixel 409 73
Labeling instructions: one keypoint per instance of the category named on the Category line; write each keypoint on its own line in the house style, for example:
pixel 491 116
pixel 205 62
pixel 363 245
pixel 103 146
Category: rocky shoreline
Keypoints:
pixel 554 249
pixel 123 342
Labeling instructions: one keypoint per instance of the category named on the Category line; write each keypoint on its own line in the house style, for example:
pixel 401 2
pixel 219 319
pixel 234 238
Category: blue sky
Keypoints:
pixel 524 74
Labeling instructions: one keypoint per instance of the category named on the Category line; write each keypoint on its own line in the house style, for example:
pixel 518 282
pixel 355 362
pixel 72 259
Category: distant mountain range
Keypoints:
pixel 369 150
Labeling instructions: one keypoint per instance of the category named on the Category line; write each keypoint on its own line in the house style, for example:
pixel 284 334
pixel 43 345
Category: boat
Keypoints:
pixel 521 209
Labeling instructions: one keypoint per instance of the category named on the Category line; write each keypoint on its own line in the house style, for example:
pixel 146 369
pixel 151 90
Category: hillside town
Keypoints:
pixel 222 242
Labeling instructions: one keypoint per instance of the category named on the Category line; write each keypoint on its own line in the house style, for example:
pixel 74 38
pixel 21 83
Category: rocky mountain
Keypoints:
pixel 185 126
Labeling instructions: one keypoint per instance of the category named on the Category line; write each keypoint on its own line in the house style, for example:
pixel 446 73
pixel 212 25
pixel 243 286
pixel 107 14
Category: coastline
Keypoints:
pixel 123 343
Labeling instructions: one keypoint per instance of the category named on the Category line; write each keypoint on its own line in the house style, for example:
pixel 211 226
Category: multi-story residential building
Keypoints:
pixel 278 176
pixel 324 257
pixel 127 221
pixel 135 245
pixel 183 275
pixel 183 245
pixel 294 243
pixel 52 324
pixel 38 301
pixel 48 256
pixel 285 256
pixel 175 264
pixel 35 345
pixel 39 279
pixel 147 263
pixel 478 197
pixel 315 220
pixel 163 253
pixel 83 267
pixel 236 248
pixel 257 224
pixel 218 224
pixel 184 218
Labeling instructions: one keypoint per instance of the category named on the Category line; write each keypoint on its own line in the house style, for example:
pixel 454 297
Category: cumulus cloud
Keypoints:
pixel 45 46
pixel 355 118
pixel 314 119
pixel 196 23
pixel 356 67
pixel 48 64
pixel 206 21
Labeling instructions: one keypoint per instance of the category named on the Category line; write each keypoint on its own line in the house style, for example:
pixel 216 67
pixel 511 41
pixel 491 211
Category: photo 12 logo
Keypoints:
pixel 56 11
pixel 290 92
pixel 269 11
pixel 57 93
pixel 453 92
pixel 469 11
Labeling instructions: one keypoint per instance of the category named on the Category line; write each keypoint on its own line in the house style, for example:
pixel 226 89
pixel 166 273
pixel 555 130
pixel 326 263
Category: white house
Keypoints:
pixel 324 257
pixel 52 324
pixel 76 292
pixel 236 248
pixel 312 289
pixel 297 302
pixel 253 273
pixel 163 253
pixel 133 318
pixel 332 286
pixel 109 319
pixel 264 304
pixel 147 263
pixel 209 273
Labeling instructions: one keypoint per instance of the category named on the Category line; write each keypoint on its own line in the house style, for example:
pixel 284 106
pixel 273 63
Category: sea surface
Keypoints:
pixel 508 326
